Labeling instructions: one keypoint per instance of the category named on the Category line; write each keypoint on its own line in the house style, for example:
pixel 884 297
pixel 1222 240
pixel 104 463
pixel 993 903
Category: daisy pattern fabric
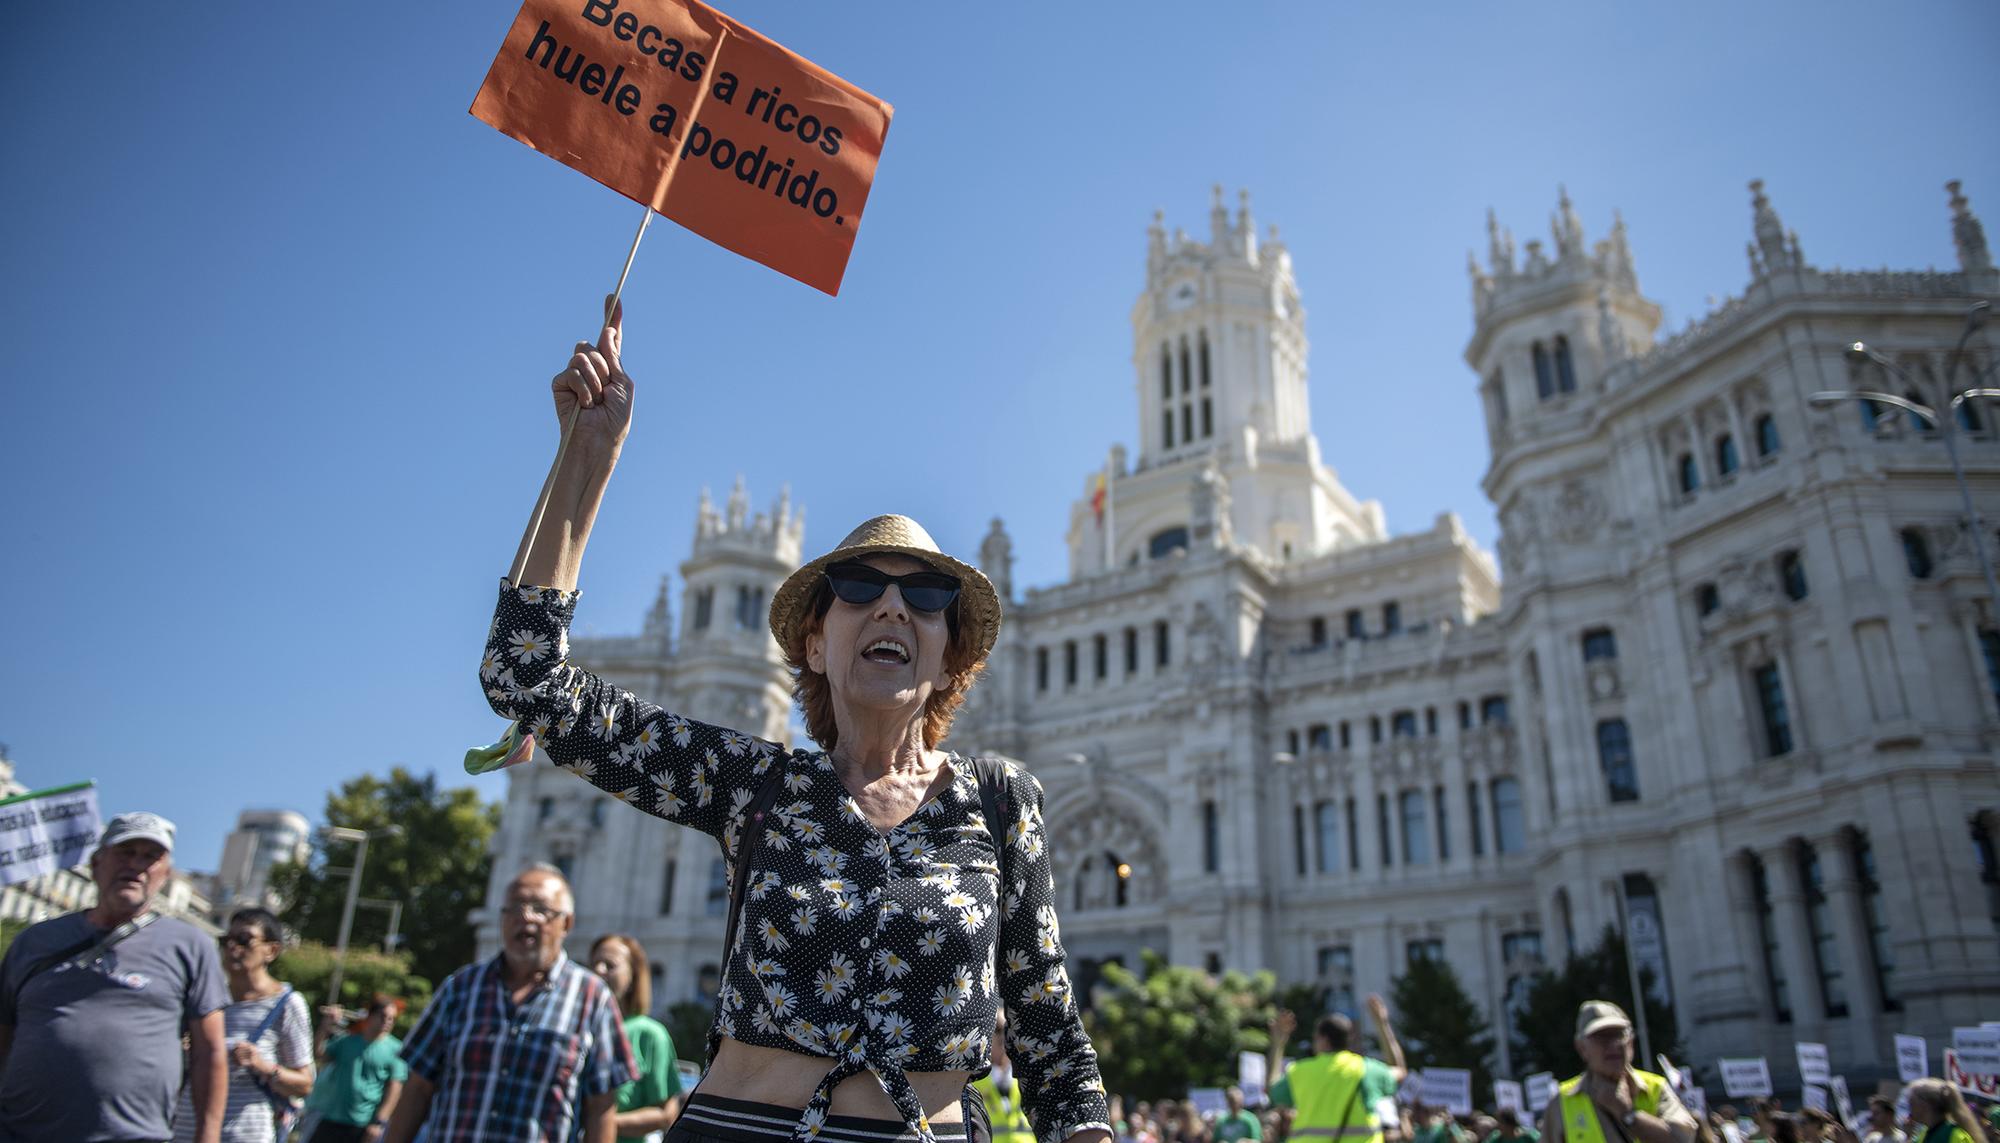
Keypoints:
pixel 886 952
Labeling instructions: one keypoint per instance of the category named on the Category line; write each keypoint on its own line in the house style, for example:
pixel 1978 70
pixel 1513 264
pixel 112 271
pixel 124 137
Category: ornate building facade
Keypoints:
pixel 1740 696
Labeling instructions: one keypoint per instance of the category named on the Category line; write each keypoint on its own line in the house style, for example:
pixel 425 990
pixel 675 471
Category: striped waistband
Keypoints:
pixel 749 1122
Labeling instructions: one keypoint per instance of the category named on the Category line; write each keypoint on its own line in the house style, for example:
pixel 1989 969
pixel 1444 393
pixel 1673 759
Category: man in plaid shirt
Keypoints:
pixel 525 1047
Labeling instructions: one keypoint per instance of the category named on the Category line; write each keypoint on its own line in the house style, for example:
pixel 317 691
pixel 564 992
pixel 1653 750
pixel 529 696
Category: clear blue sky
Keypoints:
pixel 280 314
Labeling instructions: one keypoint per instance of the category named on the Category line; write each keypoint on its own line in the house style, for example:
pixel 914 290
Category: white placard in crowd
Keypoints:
pixel 1541 1088
pixel 1250 1068
pixel 1813 1066
pixel 1696 1100
pixel 1449 1088
pixel 46 831
pixel 1208 1101
pixel 1507 1093
pixel 1745 1077
pixel 1913 1057
pixel 1978 1050
pixel 1814 1097
pixel 1842 1102
pixel 1972 1083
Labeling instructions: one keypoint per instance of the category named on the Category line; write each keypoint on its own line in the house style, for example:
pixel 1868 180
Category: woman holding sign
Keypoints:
pixel 884 912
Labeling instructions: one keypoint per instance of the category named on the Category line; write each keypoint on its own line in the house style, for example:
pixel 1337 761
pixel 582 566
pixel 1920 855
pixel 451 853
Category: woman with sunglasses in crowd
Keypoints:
pixel 876 940
pixel 268 1032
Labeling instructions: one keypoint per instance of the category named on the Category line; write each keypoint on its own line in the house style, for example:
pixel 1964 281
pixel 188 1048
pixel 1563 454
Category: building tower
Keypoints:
pixel 731 671
pixel 261 839
pixel 1219 361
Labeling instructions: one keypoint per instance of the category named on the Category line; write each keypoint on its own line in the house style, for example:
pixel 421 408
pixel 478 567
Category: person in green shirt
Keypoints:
pixel 1435 1125
pixel 1334 1036
pixel 361 1073
pixel 651 1102
pixel 1238 1124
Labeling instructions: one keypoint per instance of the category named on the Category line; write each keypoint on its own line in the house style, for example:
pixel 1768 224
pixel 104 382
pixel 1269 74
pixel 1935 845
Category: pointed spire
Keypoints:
pixel 1770 232
pixel 1156 244
pixel 659 620
pixel 1246 230
pixel 1566 228
pixel 1499 247
pixel 704 515
pixel 1967 234
pixel 739 505
pixel 1218 218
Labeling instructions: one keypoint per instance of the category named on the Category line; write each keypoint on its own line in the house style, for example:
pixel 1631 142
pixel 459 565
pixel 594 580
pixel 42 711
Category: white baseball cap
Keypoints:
pixel 138 826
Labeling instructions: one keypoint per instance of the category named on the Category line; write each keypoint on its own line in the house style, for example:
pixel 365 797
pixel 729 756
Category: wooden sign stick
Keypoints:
pixel 611 307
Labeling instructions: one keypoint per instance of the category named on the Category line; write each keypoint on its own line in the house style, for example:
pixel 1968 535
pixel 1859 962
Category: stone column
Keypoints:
pixel 1841 881
pixel 1364 820
pixel 1794 932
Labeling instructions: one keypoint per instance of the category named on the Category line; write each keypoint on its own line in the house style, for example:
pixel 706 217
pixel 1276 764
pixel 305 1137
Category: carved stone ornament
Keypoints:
pixel 1577 512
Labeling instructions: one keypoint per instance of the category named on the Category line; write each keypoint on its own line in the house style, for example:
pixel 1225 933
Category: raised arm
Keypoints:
pixel 679 769
pixel 595 389
pixel 1391 1047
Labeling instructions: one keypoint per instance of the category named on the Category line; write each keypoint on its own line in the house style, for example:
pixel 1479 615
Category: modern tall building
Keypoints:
pixel 1739 695
pixel 261 839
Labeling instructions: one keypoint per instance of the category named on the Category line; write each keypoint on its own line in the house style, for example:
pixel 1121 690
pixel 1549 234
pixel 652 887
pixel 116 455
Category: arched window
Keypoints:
pixel 1769 686
pixel 1690 474
pixel 1392 618
pixel 1917 553
pixel 1767 436
pixel 1166 541
pixel 1510 831
pixel 1545 378
pixel 1614 756
pixel 1792 575
pixel 1416 828
pixel 1187 374
pixel 1211 837
pixel 1204 359
pixel 1403 724
pixel 1167 427
pixel 1565 368
pixel 1707 601
pixel 1187 421
pixel 1166 371
pixel 1207 417
pixel 1725 455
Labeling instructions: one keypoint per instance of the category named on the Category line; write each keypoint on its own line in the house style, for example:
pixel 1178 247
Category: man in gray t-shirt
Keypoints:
pixel 90 1032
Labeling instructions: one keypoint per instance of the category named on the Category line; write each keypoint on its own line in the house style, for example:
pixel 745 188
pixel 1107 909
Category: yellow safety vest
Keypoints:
pixel 1579 1112
pixel 1326 1090
pixel 1003 1110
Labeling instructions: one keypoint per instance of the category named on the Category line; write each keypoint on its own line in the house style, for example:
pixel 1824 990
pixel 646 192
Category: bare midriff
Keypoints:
pixel 788 1079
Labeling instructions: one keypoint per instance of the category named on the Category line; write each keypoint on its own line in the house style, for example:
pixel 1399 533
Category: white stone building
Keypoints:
pixel 1741 685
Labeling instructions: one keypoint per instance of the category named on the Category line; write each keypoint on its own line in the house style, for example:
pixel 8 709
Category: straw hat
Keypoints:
pixel 978 606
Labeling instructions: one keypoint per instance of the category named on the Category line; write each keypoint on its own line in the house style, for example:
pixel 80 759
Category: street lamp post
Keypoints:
pixel 1945 423
pixel 360 839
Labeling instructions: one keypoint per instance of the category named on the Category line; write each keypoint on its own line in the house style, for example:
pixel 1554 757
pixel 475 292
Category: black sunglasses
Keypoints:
pixel 924 590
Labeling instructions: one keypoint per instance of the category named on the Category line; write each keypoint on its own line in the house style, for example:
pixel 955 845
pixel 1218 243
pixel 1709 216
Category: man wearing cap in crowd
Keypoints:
pixel 93 1006
pixel 1612 1101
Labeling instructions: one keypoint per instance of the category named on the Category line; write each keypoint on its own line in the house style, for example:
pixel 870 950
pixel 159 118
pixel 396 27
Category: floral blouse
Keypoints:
pixel 886 952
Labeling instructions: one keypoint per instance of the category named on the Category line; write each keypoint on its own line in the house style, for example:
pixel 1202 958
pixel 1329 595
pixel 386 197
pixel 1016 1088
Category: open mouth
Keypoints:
pixel 888 651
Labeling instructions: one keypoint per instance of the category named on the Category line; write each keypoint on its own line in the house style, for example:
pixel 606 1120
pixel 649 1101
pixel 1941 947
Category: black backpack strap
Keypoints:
pixel 992 775
pixel 749 842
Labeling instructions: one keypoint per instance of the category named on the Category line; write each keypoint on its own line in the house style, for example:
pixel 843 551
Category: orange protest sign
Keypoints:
pixel 756 148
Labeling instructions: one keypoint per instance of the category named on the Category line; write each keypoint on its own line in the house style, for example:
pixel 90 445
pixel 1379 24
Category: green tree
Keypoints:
pixel 1176 1027
pixel 687 1022
pixel 308 967
pixel 1438 1024
pixel 1545 1028
pixel 436 865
